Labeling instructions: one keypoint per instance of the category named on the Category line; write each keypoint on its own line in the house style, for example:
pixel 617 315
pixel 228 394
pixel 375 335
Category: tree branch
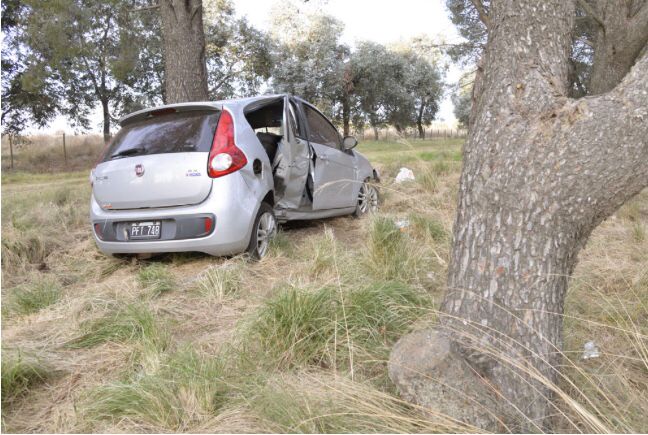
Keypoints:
pixel 589 10
pixel 607 136
pixel 483 16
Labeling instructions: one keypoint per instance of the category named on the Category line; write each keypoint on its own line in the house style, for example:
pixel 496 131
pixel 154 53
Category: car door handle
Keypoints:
pixel 323 157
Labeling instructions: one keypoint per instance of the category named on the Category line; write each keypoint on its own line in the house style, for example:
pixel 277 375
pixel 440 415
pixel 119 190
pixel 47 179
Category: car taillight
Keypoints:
pixel 98 231
pixel 208 224
pixel 225 157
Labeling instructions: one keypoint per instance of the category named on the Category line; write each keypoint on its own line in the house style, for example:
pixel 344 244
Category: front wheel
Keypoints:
pixel 265 227
pixel 367 199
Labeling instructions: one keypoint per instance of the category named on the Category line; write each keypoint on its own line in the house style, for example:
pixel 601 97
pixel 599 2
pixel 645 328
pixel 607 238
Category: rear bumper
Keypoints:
pixel 232 204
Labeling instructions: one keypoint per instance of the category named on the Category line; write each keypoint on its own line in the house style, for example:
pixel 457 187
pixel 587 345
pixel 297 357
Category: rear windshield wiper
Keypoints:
pixel 129 152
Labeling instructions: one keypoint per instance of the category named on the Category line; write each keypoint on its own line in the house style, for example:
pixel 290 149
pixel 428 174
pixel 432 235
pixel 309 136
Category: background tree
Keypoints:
pixel 379 85
pixel 537 179
pixel 469 21
pixel 239 57
pixel 462 105
pixel 81 51
pixel 462 101
pixel 309 57
pixel 24 101
pixel 423 83
pixel 147 84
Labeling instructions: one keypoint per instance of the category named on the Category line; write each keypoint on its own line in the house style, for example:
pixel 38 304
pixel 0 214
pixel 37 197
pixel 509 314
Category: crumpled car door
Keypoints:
pixel 334 178
pixel 292 163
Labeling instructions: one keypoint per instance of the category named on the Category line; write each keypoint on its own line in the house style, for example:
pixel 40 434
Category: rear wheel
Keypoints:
pixel 367 199
pixel 265 227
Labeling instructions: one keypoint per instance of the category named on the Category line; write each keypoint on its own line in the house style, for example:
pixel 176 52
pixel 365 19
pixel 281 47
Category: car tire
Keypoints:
pixel 264 229
pixel 368 199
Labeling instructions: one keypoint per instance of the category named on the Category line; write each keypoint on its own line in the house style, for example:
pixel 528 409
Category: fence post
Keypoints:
pixel 64 150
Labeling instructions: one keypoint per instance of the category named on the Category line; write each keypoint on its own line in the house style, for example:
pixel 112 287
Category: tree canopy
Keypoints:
pixel 71 56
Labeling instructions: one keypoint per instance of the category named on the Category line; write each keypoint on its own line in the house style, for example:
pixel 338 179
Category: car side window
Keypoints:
pixel 320 129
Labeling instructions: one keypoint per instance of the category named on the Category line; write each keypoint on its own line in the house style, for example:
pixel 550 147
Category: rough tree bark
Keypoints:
pixel 621 34
pixel 540 172
pixel 105 110
pixel 346 115
pixel 184 51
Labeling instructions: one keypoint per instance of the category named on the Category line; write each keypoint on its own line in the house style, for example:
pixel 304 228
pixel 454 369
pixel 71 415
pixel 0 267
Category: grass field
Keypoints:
pixel 295 343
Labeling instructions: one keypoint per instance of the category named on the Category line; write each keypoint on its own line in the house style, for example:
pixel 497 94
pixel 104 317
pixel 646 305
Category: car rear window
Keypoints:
pixel 179 132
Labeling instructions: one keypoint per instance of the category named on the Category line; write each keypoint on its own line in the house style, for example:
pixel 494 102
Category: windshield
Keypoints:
pixel 170 133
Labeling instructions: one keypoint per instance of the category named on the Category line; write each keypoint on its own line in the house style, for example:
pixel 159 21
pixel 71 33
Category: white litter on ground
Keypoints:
pixel 590 350
pixel 405 174
pixel 402 223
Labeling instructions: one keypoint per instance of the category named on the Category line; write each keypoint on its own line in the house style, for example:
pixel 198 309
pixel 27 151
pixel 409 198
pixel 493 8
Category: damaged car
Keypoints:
pixel 219 177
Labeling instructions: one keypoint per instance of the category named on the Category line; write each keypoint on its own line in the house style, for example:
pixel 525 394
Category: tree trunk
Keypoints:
pixel 184 51
pixel 346 115
pixel 106 119
pixel 540 172
pixel 419 121
pixel 375 129
pixel 621 35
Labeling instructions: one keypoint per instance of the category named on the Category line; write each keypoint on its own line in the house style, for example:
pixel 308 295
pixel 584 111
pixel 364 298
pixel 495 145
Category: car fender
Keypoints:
pixel 364 171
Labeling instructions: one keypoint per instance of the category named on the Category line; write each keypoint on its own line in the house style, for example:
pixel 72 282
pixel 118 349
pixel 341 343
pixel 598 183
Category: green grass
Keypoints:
pixel 30 177
pixel 187 386
pixel 389 252
pixel 19 375
pixel 404 152
pixel 331 327
pixel 157 278
pixel 127 323
pixel 34 296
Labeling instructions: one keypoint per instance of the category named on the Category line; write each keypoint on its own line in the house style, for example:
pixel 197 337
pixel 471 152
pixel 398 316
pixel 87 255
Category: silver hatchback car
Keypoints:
pixel 217 177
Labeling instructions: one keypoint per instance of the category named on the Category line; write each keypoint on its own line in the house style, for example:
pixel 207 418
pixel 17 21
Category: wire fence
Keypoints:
pixel 62 151
pixel 50 152
pixel 390 133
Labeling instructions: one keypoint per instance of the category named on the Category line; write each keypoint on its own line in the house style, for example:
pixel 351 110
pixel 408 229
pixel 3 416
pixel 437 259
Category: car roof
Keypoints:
pixel 233 103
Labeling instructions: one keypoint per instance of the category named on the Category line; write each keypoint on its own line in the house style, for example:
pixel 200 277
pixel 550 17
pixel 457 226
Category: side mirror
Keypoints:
pixel 349 142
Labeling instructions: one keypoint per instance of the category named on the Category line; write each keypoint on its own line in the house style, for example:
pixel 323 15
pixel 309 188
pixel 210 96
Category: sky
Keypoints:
pixel 380 21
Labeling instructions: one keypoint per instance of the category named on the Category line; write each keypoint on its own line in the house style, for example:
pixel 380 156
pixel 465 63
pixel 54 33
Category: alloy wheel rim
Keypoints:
pixel 265 230
pixel 368 200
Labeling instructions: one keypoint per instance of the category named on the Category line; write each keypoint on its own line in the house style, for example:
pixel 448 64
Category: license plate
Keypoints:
pixel 144 230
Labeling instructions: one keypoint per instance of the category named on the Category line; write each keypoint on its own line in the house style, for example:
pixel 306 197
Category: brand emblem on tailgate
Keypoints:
pixel 139 170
